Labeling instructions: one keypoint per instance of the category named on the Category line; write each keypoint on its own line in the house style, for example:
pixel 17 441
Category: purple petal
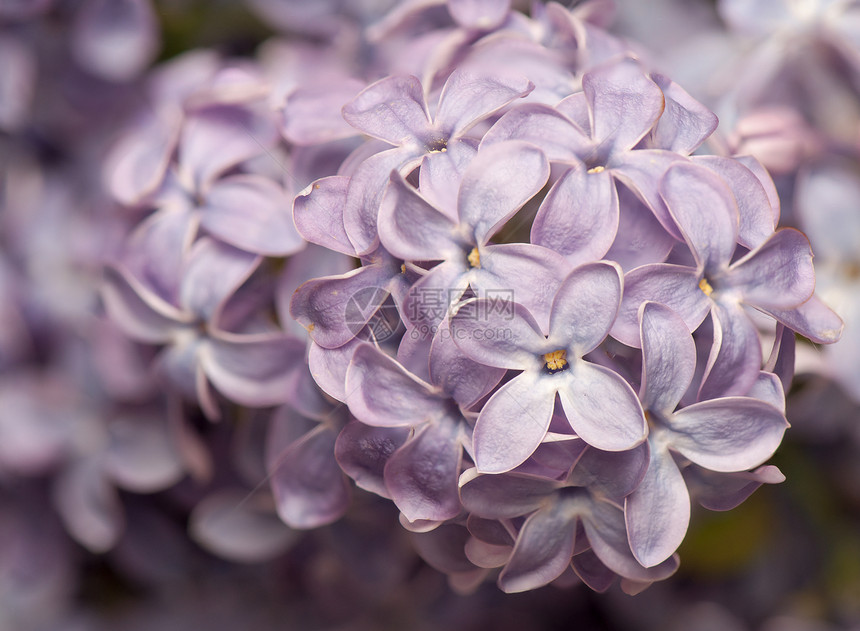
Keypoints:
pixel 685 123
pixel 625 104
pixel 312 114
pixel 591 570
pixel 612 474
pixel 89 505
pixel 658 511
pixel 392 109
pixel 544 126
pixel 432 297
pixel 141 457
pixel 728 434
pixel 318 214
pixel 497 183
pixel 504 496
pixel 813 319
pixel 137 164
pixel 213 272
pixel 252 213
pixel 639 239
pixel 725 491
pixel 485 15
pixel 441 173
pixel 601 407
pixel 468 97
pixel 328 367
pixel 579 216
pixel 486 555
pixel 825 199
pixel 780 364
pixel 362 451
pixel 421 476
pixel 585 307
pixel 668 357
pixel 380 392
pixel 705 211
pixel 513 423
pixel 735 358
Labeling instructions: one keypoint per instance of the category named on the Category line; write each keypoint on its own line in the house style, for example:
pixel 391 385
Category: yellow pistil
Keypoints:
pixel 474 258
pixel 705 286
pixel 555 361
pixel 597 169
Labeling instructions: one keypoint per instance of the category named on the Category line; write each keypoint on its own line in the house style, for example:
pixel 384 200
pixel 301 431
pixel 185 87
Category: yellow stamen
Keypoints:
pixel 403 268
pixel 311 327
pixel 555 361
pixel 597 169
pixel 705 286
pixel 474 258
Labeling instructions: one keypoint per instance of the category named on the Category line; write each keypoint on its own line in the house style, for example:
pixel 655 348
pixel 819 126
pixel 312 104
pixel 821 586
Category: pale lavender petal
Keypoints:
pixel 501 334
pixel 601 407
pixel 115 39
pixel 238 526
pixel 318 214
pixel 138 162
pixel 725 491
pixel 89 505
pixel 252 213
pixel 612 474
pixel 781 361
pixel 579 216
pixel 18 67
pixel 254 370
pixel 668 357
pixel 312 114
pixel 440 175
pixel 756 17
pixel 825 198
pixel 640 239
pixel 591 570
pixel 421 476
pixel 485 15
pixel 658 511
pixel 213 272
pixel 410 228
pixel 685 123
pixel 757 217
pixel 431 298
pixel 362 451
pixel 585 307
pixel 486 555
pixel 735 358
pixel 813 319
pixel 328 367
pixel 728 434
pixel 468 96
pixel 778 274
pixel 705 211
pixel 672 285
pixel 309 488
pixel 625 104
pixel 392 109
pixel 141 456
pixel 544 126
pixel 543 550
pixel 497 183
pixel 504 496
pixel 380 392
pixel 513 423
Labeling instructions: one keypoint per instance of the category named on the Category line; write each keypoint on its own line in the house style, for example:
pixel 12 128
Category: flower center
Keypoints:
pixel 705 286
pixel 474 258
pixel 597 169
pixel 556 361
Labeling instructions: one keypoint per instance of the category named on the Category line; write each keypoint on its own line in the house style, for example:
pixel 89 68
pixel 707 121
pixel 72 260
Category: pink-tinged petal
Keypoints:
pixel 528 274
pixel 431 298
pixel 141 456
pixel 728 434
pixel 735 359
pixel 611 474
pixel 668 357
pixel 252 213
pixel 312 114
pixel 460 377
pixel 705 211
pixel 392 109
pixel 318 214
pixel 657 513
pixel 601 407
pixel 591 571
pixel 410 228
pixel 675 286
pixel 489 530
pixel 776 275
pixel 579 216
pixel 253 370
pixel 766 181
pixel 443 548
pixel 138 162
pixel 486 555
pixel 725 491
pixel 362 451
pixel 501 334
pixel 641 171
pixel 585 307
pixel 504 496
pixel 380 392
pixel 497 183
pixel 334 309
pixel 468 96
pixel 607 532
pixel 239 526
pixel 625 104
pixel 115 39
pixel 813 319
pixel 757 217
pixel 441 173
pixel 513 423
pixel 685 123
pixel 780 364
pixel 328 367
pixel 309 488
pixel 89 505
pixel 484 15
pixel 421 476
pixel 543 126
pixel 18 83
pixel 137 311
pixel 543 550
pixel 213 272
pixel 639 239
